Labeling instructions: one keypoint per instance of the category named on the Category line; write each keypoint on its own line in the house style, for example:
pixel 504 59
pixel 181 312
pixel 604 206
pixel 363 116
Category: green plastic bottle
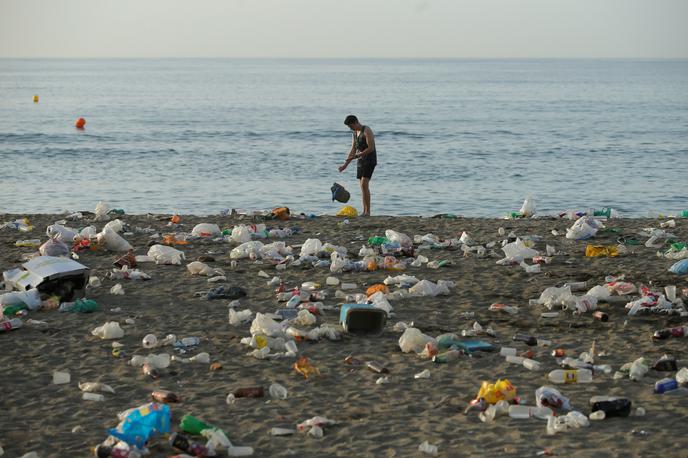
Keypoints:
pixel 684 214
pixel 377 240
pixel 11 310
pixel 193 425
pixel 85 306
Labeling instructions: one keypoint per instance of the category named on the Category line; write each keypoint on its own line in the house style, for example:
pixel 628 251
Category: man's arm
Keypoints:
pixel 350 157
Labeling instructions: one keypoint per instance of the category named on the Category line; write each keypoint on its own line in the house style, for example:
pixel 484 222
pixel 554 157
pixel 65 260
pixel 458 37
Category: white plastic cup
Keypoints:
pixel 670 292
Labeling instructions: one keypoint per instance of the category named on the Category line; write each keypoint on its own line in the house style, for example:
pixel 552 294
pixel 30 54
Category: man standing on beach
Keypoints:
pixel 363 149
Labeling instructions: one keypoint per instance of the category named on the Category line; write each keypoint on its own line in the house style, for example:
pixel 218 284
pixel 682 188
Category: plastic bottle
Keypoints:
pixel 61 377
pixel 150 371
pixel 531 364
pixel 520 411
pixel 8 325
pixel 570 376
pixel 447 356
pixel 514 359
pixel 150 341
pixel 666 384
pixel 192 425
pixel 282 432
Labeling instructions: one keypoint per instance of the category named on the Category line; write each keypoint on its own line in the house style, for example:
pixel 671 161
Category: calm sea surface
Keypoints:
pixel 471 137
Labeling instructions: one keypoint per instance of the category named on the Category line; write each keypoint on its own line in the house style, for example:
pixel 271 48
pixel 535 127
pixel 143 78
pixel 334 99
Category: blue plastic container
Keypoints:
pixel 362 319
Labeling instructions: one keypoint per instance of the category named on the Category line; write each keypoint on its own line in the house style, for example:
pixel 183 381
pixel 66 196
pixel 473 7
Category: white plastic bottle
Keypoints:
pixel 570 376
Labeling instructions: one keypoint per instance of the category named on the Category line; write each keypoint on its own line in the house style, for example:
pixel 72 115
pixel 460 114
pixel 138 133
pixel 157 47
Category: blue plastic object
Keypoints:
pixel 680 267
pixel 362 318
pixel 142 423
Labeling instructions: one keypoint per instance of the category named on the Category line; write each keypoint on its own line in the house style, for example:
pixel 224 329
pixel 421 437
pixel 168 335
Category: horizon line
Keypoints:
pixel 342 58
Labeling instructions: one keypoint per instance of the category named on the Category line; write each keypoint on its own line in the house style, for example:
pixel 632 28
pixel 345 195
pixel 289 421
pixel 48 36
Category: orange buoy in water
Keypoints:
pixel 80 123
pixel 35 99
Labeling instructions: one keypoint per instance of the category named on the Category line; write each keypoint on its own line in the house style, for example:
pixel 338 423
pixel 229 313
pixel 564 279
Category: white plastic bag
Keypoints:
pixel 428 288
pixel 311 247
pixel 102 210
pixel 54 247
pixel 205 230
pixel 412 340
pixel 199 268
pixel 62 233
pixel 238 318
pixel 32 298
pixel 338 262
pixel 110 330
pixel 518 251
pixel 113 241
pixel 164 254
pixel 528 207
pixel 263 324
pixel 116 225
pixel 402 239
pixel 245 249
pixel 240 234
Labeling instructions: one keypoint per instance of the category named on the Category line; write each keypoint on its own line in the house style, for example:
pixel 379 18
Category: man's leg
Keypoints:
pixel 365 193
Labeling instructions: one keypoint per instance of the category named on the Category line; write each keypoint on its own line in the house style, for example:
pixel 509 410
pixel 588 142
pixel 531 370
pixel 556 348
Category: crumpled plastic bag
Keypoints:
pixel 110 330
pixel 238 318
pixel 400 238
pixel 199 268
pixel 205 230
pixel 245 250
pixel 54 247
pixel 139 424
pixel 305 318
pixel 240 234
pixel 348 212
pixel 263 324
pixel 379 301
pixel 337 263
pixel 547 396
pixel 58 232
pixel 528 207
pixel 492 393
pixel 116 225
pixel 101 211
pixel 113 241
pixel 311 247
pixel 164 254
pixel 412 340
pixel 557 296
pixel 401 280
pixel 518 251
pixel 584 228
pixel 32 298
pixel 428 288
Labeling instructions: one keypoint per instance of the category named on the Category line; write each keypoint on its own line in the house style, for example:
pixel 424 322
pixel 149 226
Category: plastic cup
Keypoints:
pixel 670 292
pixel 60 378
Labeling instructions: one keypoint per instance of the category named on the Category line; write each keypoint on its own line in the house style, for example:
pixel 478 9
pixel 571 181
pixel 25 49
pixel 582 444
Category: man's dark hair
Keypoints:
pixel 351 119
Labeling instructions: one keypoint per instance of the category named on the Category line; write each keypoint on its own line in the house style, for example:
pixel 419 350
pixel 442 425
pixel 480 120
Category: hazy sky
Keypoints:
pixel 344 28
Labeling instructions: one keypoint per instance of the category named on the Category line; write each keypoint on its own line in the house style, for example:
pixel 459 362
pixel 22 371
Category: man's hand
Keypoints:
pixel 343 167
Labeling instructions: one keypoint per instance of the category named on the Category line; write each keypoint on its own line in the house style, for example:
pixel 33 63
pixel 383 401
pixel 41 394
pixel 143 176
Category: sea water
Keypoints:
pixel 470 137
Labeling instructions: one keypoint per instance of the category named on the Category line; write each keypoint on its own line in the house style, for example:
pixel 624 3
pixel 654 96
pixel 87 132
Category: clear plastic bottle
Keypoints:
pixel 570 376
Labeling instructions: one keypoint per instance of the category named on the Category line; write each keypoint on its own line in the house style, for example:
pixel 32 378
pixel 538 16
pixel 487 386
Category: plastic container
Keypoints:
pixel 61 377
pixel 362 319
pixel 570 376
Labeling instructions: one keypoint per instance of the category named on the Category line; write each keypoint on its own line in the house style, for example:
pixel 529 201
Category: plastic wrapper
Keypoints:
pixel 492 393
pixel 412 340
pixel 164 254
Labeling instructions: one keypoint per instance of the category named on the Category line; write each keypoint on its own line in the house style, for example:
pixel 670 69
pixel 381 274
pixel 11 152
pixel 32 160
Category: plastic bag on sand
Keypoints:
pixel 518 251
pixel 32 298
pixel 557 296
pixel 138 425
pixel 305 318
pixel 380 302
pixel 310 247
pixel 546 396
pixel 109 330
pixel 680 267
pixel 584 228
pixel 54 247
pixel 492 393
pixel 528 207
pixel 113 241
pixel 245 249
pixel 263 324
pixel 101 212
pixel 348 211
pixel 237 318
pixel 205 230
pixel 402 239
pixel 164 254
pixel 428 288
pixel 412 340
pixel 338 262
pixel 65 234
pixel 240 234
pixel 116 225
pixel 401 280
pixel 600 292
pixel 199 268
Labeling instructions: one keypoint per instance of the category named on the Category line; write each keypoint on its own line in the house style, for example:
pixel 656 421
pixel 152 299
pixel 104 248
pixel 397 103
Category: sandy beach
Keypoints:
pixel 380 420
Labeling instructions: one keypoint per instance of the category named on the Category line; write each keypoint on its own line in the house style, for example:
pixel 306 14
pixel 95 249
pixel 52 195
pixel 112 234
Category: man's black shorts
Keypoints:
pixel 364 170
